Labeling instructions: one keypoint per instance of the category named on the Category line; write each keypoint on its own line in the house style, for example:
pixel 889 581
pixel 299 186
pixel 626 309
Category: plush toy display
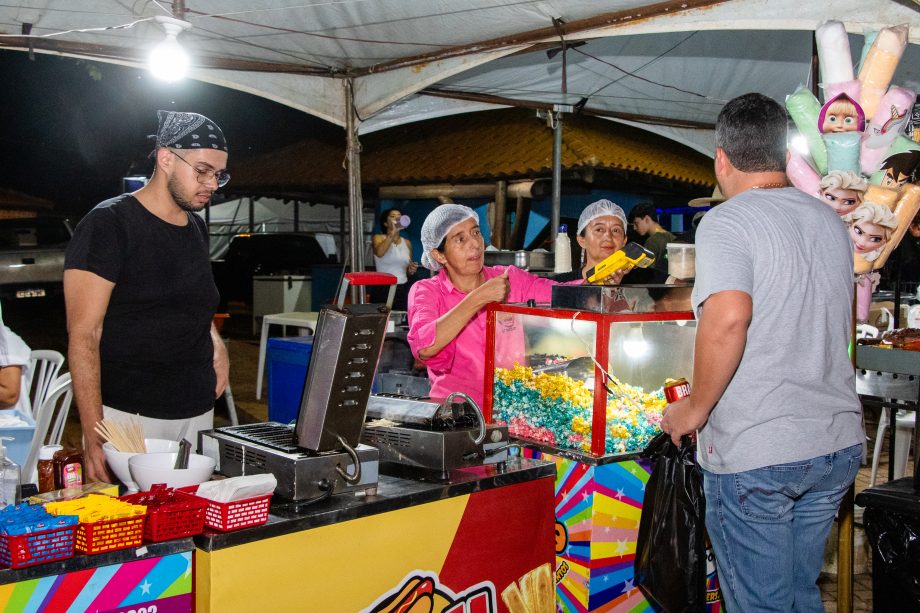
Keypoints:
pixel 858 134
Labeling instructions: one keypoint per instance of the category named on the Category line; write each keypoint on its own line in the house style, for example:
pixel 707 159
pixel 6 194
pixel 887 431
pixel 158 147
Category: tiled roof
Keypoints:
pixel 488 145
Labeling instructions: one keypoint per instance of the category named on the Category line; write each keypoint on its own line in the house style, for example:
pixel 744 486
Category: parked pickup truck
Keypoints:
pixel 264 254
pixel 32 256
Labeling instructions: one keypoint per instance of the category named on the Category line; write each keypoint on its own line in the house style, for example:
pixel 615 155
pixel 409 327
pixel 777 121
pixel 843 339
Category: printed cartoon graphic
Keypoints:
pixel 535 592
pixel 562 537
pixel 901 168
pixel 423 592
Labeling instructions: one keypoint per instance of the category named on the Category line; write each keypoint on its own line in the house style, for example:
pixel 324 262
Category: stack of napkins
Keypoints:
pixel 238 488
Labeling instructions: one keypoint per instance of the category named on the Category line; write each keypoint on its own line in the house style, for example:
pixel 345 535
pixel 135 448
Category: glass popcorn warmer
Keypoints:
pixel 588 376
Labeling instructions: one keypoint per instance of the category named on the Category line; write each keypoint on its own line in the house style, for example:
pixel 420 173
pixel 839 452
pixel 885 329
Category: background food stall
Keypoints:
pixel 582 386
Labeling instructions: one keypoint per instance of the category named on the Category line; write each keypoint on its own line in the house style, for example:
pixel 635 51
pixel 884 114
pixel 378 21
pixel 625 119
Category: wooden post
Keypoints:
pixel 845 522
pixel 499 230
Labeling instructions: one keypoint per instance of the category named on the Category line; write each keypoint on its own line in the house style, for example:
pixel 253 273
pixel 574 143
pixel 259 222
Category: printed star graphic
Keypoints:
pixel 620 492
pixel 145 587
pixel 606 578
pixel 628 586
pixel 620 549
pixel 584 495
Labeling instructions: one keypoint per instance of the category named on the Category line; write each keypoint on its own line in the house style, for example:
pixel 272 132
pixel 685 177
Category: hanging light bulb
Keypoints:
pixel 168 60
pixel 634 344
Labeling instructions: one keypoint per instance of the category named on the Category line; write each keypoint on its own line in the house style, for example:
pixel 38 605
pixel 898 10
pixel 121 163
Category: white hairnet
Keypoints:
pixel 599 209
pixel 438 223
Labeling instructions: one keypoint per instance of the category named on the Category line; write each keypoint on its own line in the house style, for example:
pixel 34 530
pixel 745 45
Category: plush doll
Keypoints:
pixel 841 114
pixel 843 190
pixel 871 226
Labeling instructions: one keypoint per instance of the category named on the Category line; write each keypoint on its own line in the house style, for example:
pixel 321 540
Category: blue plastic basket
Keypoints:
pixel 288 359
pixel 37 548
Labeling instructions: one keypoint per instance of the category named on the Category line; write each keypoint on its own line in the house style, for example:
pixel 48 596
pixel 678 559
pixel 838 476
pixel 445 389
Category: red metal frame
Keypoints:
pixel 602 347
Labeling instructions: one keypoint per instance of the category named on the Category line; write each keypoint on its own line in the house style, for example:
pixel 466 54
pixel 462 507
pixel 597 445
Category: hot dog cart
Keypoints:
pixel 435 515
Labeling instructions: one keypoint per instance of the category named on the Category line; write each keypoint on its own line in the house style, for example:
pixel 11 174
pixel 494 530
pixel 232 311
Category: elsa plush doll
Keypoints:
pixel 871 226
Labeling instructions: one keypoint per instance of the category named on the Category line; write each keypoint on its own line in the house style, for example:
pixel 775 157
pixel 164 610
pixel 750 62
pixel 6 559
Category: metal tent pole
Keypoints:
pixel 557 177
pixel 355 203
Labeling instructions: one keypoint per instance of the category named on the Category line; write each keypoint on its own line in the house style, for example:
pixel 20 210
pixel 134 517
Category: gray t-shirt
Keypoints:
pixel 793 396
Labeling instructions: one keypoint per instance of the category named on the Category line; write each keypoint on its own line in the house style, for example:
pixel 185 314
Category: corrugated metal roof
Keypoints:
pixel 489 145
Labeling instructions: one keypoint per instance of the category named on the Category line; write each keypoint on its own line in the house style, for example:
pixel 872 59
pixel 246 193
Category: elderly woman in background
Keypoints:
pixel 447 321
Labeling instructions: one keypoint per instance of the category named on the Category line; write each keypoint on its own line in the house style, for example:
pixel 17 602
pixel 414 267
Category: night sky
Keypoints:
pixel 73 128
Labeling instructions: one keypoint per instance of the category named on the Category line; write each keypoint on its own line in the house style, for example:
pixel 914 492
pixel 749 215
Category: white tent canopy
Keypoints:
pixel 671 63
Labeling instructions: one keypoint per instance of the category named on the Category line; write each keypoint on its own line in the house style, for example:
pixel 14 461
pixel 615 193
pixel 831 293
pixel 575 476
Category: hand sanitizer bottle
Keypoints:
pixel 9 477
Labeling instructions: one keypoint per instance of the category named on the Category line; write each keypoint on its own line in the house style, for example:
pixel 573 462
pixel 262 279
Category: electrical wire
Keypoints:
pixel 634 75
pixel 608 378
pixel 648 63
pixel 124 26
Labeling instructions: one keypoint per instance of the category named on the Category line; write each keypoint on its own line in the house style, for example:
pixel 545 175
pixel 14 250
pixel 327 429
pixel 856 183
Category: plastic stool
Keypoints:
pixel 902 439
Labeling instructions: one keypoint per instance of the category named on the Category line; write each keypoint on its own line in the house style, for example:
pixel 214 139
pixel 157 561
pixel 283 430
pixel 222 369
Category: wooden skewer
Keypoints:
pixel 125 437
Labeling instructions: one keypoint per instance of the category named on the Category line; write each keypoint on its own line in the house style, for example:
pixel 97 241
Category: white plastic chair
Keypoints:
pixel 50 419
pixel 903 436
pixel 45 364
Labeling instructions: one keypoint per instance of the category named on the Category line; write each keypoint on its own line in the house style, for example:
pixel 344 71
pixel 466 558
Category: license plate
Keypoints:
pixel 30 293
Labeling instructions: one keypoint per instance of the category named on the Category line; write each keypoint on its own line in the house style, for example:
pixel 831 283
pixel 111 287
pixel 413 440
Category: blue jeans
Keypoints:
pixel 769 526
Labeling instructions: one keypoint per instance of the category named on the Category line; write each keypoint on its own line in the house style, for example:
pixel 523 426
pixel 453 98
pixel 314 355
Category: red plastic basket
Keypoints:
pixel 110 534
pixel 166 522
pixel 37 548
pixel 226 516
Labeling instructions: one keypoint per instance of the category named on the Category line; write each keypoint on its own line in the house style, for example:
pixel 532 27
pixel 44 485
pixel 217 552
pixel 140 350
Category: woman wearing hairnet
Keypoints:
pixel 601 232
pixel 447 322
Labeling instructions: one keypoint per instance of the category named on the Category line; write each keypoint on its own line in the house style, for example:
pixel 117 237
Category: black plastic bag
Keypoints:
pixel 670 564
pixel 895 540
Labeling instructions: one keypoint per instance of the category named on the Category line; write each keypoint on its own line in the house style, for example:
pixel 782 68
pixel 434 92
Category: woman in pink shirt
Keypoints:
pixel 447 321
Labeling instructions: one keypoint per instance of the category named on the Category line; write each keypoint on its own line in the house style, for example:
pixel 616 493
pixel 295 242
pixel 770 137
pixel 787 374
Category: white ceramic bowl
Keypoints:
pixel 118 460
pixel 151 468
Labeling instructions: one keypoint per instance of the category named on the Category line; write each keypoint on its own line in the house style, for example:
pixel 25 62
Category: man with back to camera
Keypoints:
pixel 141 298
pixel 644 220
pixel 774 398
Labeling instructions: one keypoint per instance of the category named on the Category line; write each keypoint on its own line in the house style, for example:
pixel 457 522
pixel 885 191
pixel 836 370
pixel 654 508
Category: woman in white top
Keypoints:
pixel 15 358
pixel 393 255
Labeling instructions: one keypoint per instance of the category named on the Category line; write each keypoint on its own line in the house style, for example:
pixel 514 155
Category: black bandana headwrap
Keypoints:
pixel 188 131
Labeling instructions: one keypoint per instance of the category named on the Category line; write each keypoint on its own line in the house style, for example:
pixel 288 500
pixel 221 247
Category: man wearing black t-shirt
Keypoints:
pixel 141 298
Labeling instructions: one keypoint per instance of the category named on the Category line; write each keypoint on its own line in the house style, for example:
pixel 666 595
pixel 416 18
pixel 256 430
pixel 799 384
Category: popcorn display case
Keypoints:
pixel 582 386
pixel 582 381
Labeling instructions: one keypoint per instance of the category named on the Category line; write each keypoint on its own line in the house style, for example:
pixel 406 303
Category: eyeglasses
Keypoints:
pixel 205 176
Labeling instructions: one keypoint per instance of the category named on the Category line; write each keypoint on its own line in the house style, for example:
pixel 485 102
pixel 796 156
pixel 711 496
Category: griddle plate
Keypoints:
pixel 272 434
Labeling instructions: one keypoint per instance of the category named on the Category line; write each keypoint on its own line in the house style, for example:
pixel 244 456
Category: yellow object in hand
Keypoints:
pixel 632 255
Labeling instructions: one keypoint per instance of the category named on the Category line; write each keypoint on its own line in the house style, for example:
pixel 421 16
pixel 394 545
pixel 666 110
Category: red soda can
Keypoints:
pixel 675 389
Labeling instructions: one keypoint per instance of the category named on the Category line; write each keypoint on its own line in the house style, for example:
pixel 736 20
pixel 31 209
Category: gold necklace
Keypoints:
pixel 769 185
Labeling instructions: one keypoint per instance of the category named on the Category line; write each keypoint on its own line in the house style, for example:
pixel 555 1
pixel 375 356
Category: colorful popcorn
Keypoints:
pixel 555 409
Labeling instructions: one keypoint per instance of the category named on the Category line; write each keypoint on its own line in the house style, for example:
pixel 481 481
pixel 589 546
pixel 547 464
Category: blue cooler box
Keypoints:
pixel 18 448
pixel 288 359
